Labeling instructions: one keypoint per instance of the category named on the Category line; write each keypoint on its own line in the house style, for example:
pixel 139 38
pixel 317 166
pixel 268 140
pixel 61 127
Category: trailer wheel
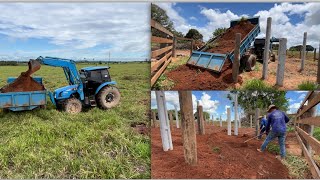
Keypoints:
pixel 108 97
pixel 251 63
pixel 72 106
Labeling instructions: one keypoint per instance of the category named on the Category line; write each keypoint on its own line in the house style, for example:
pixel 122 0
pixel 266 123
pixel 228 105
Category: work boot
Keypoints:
pixel 259 150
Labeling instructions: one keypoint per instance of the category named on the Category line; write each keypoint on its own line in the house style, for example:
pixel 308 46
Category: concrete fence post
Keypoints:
pixel 177 117
pixel 266 49
pixel 164 121
pixel 188 128
pixel 229 121
pixel 212 120
pixel 220 121
pixel 236 114
pixel 236 60
pixel 281 61
pixel 303 57
pixel 256 117
pixel 240 119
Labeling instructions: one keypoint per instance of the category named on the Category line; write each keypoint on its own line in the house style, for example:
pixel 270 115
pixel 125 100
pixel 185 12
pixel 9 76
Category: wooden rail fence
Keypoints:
pixel 161 57
pixel 304 124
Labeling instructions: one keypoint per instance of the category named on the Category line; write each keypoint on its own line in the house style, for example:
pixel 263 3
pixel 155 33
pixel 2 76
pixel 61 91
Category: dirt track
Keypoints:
pixel 231 161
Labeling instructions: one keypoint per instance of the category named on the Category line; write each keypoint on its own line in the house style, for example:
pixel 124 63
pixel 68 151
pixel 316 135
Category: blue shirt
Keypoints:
pixel 277 120
pixel 263 123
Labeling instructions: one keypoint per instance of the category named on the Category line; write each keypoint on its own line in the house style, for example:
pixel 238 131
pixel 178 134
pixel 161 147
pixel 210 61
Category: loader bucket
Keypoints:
pixel 34 66
pixel 211 61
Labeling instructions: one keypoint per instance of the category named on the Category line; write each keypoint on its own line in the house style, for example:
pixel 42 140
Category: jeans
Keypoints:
pixel 281 140
pixel 262 131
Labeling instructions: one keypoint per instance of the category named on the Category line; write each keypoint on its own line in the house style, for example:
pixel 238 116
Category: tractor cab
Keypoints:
pixel 98 74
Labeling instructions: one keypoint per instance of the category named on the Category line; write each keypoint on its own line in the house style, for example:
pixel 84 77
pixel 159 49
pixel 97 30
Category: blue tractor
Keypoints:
pixel 90 86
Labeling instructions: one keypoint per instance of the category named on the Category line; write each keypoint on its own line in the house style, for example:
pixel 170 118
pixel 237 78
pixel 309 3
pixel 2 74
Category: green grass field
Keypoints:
pixel 47 143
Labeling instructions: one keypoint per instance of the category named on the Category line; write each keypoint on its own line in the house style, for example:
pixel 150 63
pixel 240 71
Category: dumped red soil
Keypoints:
pixel 190 78
pixel 22 84
pixel 225 44
pixel 219 156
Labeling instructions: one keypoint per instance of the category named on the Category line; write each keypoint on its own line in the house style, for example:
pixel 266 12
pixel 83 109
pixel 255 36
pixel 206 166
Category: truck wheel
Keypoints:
pixel 108 97
pixel 251 63
pixel 272 58
pixel 72 106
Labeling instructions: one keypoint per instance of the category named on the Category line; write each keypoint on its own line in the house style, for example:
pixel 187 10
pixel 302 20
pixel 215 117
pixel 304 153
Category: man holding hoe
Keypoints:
pixel 277 120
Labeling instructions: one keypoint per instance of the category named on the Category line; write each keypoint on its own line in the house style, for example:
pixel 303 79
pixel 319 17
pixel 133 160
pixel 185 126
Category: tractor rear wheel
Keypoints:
pixel 251 63
pixel 108 97
pixel 72 106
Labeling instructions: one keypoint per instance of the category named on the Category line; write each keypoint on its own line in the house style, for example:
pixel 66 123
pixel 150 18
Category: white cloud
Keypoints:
pixel 293 108
pixel 193 18
pixel 302 96
pixel 281 25
pixel 121 28
pixel 208 104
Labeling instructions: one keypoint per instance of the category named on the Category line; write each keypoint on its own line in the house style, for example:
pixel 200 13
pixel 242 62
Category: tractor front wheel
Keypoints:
pixel 108 97
pixel 72 106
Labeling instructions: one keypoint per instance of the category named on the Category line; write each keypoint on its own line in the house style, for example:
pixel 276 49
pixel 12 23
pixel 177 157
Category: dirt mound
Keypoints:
pixel 189 78
pixel 22 84
pixel 219 156
pixel 225 44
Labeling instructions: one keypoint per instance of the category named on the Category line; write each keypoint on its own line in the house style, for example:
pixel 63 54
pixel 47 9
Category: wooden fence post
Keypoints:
pixel 188 127
pixel 200 120
pixel 171 119
pixel 303 57
pixel 266 49
pixel 281 61
pixel 235 115
pixel 191 48
pixel 315 54
pixel 153 119
pixel 177 117
pixel 220 121
pixel 318 72
pixel 250 121
pixel 229 121
pixel 174 46
pixel 256 117
pixel 236 61
pixel 164 121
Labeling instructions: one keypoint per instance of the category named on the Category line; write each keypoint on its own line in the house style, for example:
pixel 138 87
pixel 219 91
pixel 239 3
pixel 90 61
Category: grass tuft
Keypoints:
pixel 256 84
pixel 308 86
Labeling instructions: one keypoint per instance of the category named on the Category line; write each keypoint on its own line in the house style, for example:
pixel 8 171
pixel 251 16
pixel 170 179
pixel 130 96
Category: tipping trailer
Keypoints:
pixel 21 101
pixel 215 61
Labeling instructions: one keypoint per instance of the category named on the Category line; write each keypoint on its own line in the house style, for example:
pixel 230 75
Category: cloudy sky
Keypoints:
pixel 289 20
pixel 216 102
pixel 75 30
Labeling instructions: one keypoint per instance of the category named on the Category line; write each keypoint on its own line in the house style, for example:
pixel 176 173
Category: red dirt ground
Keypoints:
pixel 233 161
pixel 188 78
pixel 226 42
pixel 23 83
